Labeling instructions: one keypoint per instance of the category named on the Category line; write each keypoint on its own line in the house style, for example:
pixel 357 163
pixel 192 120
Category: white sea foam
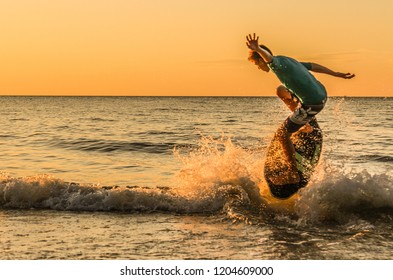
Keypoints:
pixel 335 194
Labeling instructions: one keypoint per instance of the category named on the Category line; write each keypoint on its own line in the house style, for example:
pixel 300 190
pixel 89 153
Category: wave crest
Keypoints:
pixel 339 196
pixel 217 177
pixel 47 192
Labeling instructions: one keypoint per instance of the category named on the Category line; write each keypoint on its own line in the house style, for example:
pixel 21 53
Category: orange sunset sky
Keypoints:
pixel 188 47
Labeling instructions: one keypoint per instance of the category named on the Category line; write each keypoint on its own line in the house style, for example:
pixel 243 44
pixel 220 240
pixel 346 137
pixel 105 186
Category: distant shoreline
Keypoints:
pixel 182 96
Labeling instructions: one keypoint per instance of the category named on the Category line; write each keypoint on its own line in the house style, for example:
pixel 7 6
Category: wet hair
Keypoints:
pixel 254 56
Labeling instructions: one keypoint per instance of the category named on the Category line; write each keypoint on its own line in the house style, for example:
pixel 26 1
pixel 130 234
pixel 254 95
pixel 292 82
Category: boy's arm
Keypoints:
pixel 322 69
pixel 252 44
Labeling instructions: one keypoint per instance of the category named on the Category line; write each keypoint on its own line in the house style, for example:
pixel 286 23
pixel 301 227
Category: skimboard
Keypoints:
pixel 308 148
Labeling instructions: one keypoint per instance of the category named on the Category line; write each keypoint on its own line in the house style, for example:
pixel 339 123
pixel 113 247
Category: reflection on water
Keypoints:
pixel 59 235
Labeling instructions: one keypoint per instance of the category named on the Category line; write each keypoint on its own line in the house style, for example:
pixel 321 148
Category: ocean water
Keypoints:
pixel 182 178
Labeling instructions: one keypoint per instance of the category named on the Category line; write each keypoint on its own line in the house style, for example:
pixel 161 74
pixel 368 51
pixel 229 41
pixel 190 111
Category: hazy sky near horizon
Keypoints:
pixel 188 47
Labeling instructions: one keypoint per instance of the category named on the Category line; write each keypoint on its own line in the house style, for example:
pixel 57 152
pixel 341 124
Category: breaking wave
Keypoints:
pixel 216 177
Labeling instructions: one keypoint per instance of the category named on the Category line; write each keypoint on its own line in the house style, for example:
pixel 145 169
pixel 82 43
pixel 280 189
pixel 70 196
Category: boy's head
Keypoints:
pixel 258 60
pixel 255 56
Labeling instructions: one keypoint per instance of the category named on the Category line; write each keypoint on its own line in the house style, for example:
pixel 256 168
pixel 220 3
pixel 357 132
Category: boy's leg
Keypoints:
pixel 291 175
pixel 292 103
pixel 286 96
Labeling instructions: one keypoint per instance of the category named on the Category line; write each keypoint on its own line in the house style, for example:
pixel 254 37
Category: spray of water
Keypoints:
pixel 220 176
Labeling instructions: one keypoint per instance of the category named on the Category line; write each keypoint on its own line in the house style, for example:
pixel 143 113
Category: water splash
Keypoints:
pixel 216 163
pixel 218 177
pixel 338 195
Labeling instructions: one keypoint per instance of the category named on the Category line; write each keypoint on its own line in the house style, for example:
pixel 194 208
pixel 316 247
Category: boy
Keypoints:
pixel 303 94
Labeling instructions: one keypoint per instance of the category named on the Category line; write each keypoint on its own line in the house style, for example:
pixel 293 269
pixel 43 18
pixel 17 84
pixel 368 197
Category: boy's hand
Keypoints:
pixel 345 75
pixel 252 42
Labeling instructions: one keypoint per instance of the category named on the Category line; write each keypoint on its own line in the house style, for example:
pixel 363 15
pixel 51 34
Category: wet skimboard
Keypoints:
pixel 308 147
